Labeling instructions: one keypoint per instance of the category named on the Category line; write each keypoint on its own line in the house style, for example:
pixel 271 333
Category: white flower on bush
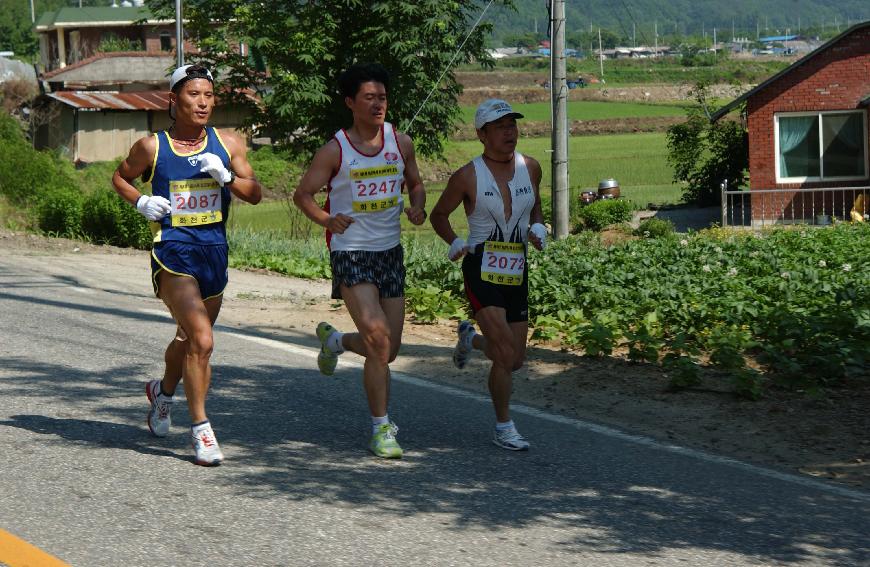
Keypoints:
pixel 822 264
pixel 706 267
pixel 785 275
pixel 646 234
pixel 753 254
pixel 732 272
pixel 718 250
pixel 684 242
pixel 847 267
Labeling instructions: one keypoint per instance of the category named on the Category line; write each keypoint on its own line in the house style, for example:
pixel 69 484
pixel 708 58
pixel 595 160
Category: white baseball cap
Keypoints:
pixel 491 110
pixel 184 73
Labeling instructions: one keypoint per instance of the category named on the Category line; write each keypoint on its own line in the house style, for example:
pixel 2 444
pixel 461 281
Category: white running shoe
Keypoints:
pixel 159 419
pixel 463 348
pixel 205 446
pixel 510 439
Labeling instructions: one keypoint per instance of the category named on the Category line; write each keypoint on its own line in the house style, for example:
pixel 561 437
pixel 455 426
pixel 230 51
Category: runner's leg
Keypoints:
pixel 373 341
pixel 181 294
pixel 500 348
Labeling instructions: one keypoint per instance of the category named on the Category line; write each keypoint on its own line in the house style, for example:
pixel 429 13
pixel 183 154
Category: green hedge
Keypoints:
pixel 108 219
pixel 601 214
pixel 60 212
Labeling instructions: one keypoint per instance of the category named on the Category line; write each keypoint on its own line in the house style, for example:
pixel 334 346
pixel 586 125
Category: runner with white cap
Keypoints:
pixel 194 170
pixel 500 192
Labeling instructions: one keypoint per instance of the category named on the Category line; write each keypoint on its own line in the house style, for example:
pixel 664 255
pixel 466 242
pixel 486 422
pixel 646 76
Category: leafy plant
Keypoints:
pixel 59 212
pixel 600 214
pixel 654 228
pixel 108 219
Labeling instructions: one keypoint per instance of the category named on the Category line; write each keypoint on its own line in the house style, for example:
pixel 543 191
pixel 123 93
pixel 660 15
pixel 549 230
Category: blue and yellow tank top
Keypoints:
pixel 200 206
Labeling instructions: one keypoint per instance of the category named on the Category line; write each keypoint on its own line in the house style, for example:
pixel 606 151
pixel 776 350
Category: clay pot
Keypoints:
pixel 587 197
pixel 608 189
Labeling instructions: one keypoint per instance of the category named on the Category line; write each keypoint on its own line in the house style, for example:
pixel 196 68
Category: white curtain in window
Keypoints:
pixel 793 130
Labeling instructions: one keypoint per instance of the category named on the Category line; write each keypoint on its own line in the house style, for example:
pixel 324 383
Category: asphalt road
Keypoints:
pixel 82 479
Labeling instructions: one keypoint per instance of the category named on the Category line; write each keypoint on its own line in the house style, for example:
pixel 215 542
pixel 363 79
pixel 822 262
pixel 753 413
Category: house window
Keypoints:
pixel 165 41
pixel 821 146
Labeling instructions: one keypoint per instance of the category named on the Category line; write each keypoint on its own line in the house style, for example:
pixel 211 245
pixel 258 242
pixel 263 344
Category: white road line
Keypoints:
pixel 83 290
pixel 569 421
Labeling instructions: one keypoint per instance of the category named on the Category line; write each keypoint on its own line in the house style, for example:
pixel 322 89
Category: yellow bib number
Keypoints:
pixel 375 188
pixel 503 263
pixel 195 202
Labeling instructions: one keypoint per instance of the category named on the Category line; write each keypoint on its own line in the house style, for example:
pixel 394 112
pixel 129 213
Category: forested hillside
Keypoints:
pixel 684 17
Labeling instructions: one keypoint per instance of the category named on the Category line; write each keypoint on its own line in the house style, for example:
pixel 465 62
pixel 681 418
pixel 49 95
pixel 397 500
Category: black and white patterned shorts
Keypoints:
pixel 386 270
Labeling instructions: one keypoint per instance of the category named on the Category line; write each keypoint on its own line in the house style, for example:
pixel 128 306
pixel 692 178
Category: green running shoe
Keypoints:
pixel 384 443
pixel 326 360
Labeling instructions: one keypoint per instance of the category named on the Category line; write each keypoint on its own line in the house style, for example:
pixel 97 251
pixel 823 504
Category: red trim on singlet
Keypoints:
pixel 398 145
pixel 329 188
pixel 476 305
pixel 383 143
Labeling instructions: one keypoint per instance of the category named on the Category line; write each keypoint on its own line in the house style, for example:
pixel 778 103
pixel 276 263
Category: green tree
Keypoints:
pixel 704 153
pixel 305 45
pixel 527 40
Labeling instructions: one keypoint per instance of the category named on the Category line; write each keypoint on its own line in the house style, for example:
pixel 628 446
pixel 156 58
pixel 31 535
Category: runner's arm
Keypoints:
pixel 536 217
pixel 416 192
pixel 140 158
pixel 326 162
pixel 454 194
pixel 537 214
pixel 245 186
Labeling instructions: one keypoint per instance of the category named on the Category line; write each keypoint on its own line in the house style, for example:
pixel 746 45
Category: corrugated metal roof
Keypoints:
pixel 93 100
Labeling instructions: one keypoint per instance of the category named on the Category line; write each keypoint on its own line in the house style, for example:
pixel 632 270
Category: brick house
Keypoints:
pixel 808 133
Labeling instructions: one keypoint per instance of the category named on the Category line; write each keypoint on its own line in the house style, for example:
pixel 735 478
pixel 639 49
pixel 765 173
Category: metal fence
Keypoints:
pixel 767 207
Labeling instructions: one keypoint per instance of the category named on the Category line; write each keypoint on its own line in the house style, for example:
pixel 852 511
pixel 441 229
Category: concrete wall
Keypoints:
pixel 106 135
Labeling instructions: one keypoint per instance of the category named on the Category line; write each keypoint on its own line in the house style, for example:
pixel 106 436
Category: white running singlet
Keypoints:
pixel 486 222
pixel 368 188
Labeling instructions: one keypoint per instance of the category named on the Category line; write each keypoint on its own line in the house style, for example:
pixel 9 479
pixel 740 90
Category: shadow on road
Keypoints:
pixel 292 433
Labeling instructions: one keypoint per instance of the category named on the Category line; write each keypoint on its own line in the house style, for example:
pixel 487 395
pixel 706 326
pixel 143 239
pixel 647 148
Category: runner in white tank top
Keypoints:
pixel 500 192
pixel 365 169
pixel 368 189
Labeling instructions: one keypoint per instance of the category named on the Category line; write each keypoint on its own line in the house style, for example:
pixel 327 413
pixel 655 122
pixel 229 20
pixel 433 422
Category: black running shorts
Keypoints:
pixel 386 270
pixel 514 299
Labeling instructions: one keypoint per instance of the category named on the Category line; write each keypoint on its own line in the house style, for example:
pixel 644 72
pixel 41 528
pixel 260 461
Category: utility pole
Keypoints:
pixel 179 36
pixel 559 96
pixel 600 54
pixel 32 13
pixel 656 35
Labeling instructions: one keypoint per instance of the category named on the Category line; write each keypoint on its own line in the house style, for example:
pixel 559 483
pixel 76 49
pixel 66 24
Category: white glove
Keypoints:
pixel 540 232
pixel 457 249
pixel 153 208
pixel 213 165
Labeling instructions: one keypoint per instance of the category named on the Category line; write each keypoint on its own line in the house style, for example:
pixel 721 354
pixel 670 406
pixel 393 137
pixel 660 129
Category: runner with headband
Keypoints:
pixel 194 171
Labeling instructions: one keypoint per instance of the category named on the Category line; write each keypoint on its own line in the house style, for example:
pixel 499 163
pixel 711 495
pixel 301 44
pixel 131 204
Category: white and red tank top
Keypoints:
pixel 368 188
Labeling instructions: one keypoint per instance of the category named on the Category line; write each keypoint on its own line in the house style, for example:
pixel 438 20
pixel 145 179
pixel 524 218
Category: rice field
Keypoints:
pixel 637 161
pixel 588 110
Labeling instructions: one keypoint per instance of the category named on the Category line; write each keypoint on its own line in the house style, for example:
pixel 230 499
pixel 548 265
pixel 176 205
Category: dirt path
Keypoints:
pixel 827 437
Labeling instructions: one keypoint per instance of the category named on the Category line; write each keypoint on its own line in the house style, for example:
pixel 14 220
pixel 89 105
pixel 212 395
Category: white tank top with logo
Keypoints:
pixel 368 188
pixel 486 222
pixel 503 257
